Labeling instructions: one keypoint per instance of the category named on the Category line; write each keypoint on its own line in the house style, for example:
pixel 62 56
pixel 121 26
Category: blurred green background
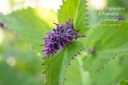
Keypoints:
pixel 19 65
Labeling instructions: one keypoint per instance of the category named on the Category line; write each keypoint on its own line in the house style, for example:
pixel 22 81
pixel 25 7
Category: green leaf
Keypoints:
pixel 81 17
pixel 30 25
pixel 117 69
pixel 49 16
pixel 68 10
pixel 56 67
pixel 112 69
pixel 123 82
pixel 76 10
pixel 107 40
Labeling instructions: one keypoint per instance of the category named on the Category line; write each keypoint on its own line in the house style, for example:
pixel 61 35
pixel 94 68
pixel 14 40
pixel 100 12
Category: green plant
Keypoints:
pixel 101 53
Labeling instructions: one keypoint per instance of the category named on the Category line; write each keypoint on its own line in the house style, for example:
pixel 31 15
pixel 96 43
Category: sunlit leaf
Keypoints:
pixel 30 25
pixel 76 11
pixel 81 17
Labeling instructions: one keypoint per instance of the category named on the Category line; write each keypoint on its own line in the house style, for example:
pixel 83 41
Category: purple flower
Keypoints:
pixel 60 37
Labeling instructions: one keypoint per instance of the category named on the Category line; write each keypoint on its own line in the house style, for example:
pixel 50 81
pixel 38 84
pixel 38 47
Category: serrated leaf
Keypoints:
pixel 106 40
pixel 56 67
pixel 117 69
pixel 76 10
pixel 81 17
pixel 29 24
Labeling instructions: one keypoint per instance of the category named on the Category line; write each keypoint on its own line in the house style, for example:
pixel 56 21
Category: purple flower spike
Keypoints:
pixel 60 37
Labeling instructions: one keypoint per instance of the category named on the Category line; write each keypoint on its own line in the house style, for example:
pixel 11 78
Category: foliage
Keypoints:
pixel 123 82
pixel 107 41
pixel 101 54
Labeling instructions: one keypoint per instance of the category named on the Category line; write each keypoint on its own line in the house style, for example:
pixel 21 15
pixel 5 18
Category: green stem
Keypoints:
pixel 85 77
